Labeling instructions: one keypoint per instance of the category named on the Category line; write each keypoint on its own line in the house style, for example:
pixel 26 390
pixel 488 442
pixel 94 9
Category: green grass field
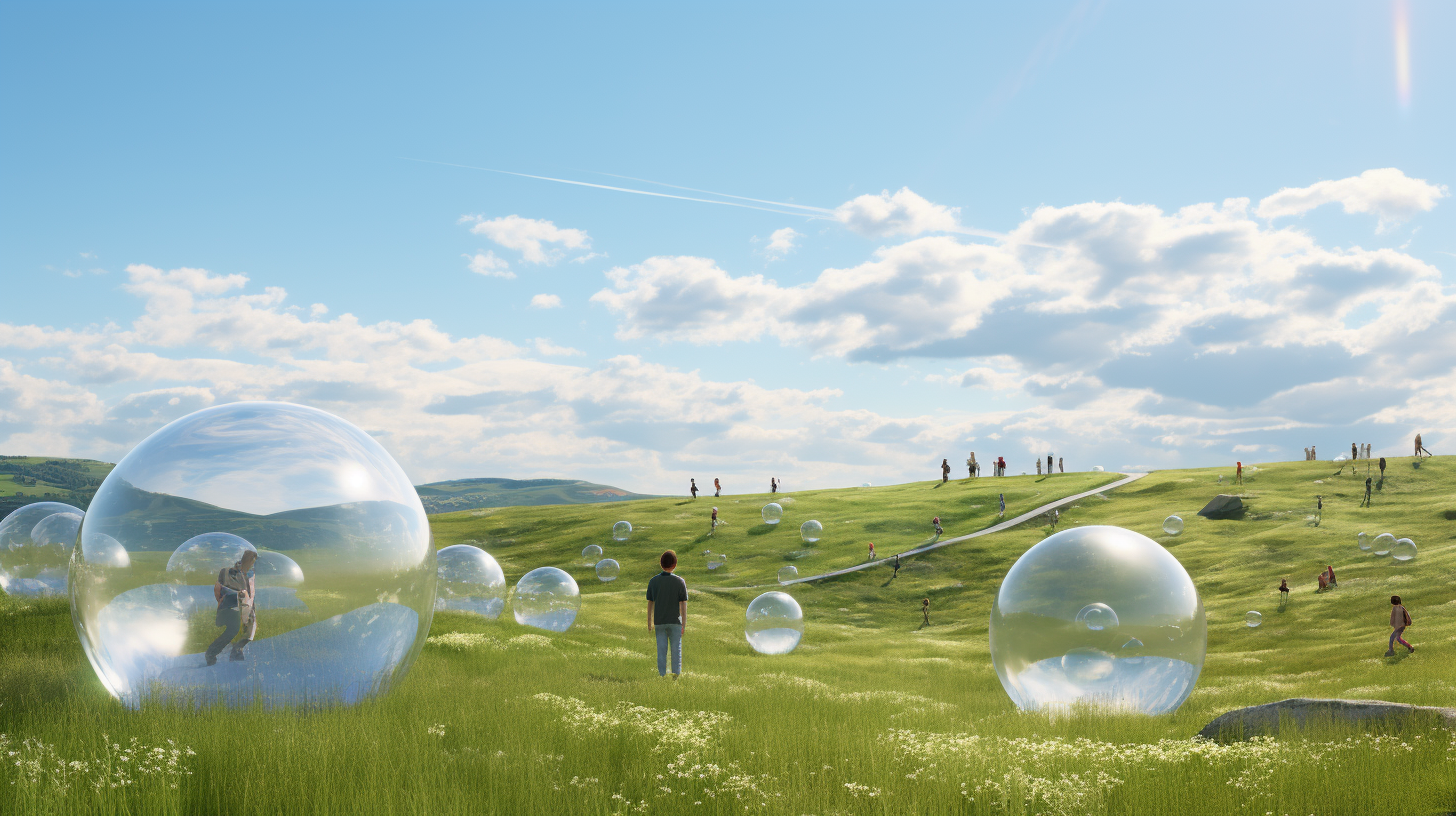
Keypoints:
pixel 873 713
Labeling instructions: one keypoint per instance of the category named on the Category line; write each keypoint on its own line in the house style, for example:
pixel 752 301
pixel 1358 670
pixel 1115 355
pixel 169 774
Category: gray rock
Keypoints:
pixel 1261 720
pixel 1223 506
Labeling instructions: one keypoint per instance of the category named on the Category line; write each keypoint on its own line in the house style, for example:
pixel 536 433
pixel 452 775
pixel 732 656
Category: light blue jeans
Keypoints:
pixel 669 635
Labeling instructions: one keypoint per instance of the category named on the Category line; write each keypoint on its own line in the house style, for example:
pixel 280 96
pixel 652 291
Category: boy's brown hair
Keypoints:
pixel 1395 600
pixel 668 560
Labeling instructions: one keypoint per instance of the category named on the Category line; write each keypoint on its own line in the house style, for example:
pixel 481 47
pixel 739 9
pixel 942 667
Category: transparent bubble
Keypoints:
pixel 1097 469
pixel 1252 619
pixel 1383 543
pixel 772 513
pixel 591 553
pixel 788 573
pixel 29 568
pixel 716 560
pixel 469 580
pixel 547 598
pixel 1046 653
pixel 1363 542
pixel 1173 525
pixel 775 623
pixel 866 484
pixel 811 531
pixel 1097 617
pixel 1403 550
pixel 621 531
pixel 339 621
pixel 607 570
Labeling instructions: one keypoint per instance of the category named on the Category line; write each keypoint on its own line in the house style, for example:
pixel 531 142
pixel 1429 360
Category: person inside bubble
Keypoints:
pixel 235 592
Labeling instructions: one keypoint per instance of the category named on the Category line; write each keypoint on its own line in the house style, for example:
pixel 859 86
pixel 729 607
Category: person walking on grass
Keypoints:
pixel 693 487
pixel 715 521
pixel 896 573
pixel 1284 586
pixel 935 522
pixel 717 488
pixel 1002 512
pixel 1399 620
pixel 872 552
pixel 944 471
pixel 925 610
pixel 1366 501
pixel 667 613
pixel 235 592
pixel 1382 468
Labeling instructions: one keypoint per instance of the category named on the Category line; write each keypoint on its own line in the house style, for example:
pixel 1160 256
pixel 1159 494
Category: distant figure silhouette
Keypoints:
pixel 1420 449
pixel 1382 468
pixel 1366 501
pixel 715 521
pixel 1284 585
pixel 693 487
pixel 935 522
pixel 1238 472
pixel 872 552
pixel 1002 513
pixel 925 610
pixel 773 485
pixel 1354 453
pixel 1060 469
pixel 1049 464
pixel 944 471
pixel 717 488
pixel 896 573
pixel 1038 467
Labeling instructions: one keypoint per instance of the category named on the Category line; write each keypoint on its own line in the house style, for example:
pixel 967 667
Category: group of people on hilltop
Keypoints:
pixel 773 486
pixel 998 467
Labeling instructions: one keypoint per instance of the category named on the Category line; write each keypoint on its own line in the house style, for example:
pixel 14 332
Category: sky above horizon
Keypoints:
pixel 831 243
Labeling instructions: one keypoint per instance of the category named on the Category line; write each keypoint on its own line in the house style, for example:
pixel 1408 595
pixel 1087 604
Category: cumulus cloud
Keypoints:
pixel 782 242
pixel 544 301
pixel 538 241
pixel 491 265
pixel 899 213
pixel 1386 193
pixel 549 349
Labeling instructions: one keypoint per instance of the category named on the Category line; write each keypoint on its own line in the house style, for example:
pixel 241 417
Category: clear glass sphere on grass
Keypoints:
pixel 469 580
pixel 29 568
pixel 775 623
pixel 1383 543
pixel 788 573
pixel 1252 619
pixel 591 553
pixel 1173 525
pixel 546 598
pixel 1403 549
pixel 716 560
pixel 274 478
pixel 608 570
pixel 621 531
pixel 1363 542
pixel 1067 610
pixel 811 531
pixel 772 513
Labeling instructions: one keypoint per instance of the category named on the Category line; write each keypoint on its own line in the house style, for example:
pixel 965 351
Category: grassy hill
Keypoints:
pixel 873 713
pixel 26 479
pixel 472 494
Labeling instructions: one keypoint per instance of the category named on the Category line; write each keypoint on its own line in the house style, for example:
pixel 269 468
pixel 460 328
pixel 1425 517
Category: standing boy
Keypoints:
pixel 667 612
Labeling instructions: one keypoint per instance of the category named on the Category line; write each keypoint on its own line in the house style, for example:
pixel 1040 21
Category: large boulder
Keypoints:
pixel 1223 506
pixel 1262 720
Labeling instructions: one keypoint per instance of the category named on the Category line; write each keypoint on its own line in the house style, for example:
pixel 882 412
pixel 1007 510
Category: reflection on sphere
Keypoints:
pixel 1403 549
pixel 546 598
pixel 344 584
pixel 1383 543
pixel 774 623
pixel 621 531
pixel 811 531
pixel 716 560
pixel 1363 541
pixel 468 579
pixel 772 513
pixel 1173 525
pixel 36 569
pixel 788 573
pixel 591 553
pixel 1252 619
pixel 1098 615
pixel 607 570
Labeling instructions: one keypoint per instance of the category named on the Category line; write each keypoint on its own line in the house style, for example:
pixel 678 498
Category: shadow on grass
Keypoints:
pixel 762 529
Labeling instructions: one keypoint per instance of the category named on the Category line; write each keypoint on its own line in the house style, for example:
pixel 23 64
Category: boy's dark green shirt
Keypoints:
pixel 666 590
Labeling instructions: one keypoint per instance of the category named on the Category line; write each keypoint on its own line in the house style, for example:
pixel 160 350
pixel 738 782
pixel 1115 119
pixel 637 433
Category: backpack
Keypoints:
pixel 1406 613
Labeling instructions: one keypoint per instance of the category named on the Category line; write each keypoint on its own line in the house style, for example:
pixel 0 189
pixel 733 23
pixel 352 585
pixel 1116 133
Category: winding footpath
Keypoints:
pixel 1127 478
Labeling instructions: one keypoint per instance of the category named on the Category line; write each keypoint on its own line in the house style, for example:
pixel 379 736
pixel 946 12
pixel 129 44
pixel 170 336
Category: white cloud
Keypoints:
pixel 491 265
pixel 544 301
pixel 530 236
pixel 549 349
pixel 1387 193
pixel 782 242
pixel 900 213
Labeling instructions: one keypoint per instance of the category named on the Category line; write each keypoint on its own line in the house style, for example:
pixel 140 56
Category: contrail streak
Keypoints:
pixel 819 213
pixel 823 210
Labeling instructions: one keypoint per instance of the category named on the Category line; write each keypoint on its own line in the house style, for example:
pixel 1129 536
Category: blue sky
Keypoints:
pixel 180 185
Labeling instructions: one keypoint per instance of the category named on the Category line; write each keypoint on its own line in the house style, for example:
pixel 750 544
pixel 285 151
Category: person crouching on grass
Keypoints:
pixel 236 611
pixel 667 612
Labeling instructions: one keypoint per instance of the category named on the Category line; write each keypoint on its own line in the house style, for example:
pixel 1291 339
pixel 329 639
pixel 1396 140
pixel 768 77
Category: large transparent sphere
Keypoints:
pixel 788 574
pixel 1383 543
pixel 772 513
pixel 340 615
pixel 1363 541
pixel 29 568
pixel 591 553
pixel 774 623
pixel 608 570
pixel 1252 619
pixel 1173 525
pixel 1046 644
pixel 547 598
pixel 468 579
pixel 811 531
pixel 1403 549
pixel 621 531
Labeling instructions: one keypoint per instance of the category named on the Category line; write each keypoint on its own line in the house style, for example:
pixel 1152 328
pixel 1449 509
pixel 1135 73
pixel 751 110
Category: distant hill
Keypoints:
pixel 472 494
pixel 26 479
